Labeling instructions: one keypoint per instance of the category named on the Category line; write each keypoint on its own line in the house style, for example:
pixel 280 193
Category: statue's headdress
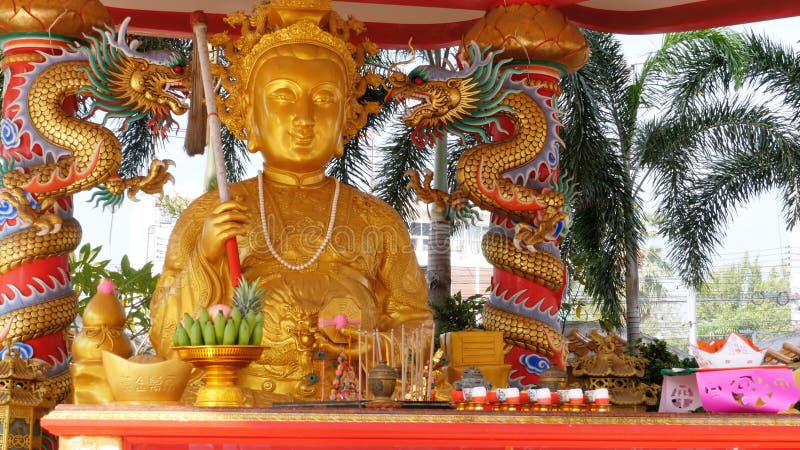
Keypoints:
pixel 287 22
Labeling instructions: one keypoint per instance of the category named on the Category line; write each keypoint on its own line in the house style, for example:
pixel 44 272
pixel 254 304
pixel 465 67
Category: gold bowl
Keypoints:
pixel 220 364
pixel 145 382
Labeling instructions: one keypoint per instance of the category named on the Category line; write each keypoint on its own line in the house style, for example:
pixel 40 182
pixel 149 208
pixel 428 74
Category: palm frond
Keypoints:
pixel 237 157
pixel 139 146
pixel 399 154
pixel 610 76
pixel 777 69
pixel 355 167
pixel 708 162
pixel 692 64
pixel 606 218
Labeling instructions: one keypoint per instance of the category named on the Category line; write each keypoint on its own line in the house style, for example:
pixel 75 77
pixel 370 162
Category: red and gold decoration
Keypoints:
pixel 54 51
pixel 24 398
pixel 442 23
pixel 504 97
pixel 57 52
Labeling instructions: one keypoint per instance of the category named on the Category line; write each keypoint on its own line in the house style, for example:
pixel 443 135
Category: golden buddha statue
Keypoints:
pixel 321 249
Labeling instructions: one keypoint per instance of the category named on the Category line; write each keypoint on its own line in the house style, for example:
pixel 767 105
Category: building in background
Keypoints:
pixel 470 272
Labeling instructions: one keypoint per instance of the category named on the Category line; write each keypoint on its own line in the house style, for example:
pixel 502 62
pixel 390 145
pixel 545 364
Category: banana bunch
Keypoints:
pixel 221 329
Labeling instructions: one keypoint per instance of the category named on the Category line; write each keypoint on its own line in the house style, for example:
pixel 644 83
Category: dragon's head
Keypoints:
pixel 459 102
pixel 157 82
pixel 130 84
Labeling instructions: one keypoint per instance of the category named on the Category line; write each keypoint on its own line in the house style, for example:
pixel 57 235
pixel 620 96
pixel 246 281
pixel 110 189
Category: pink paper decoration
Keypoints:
pixel 764 389
pixel 679 394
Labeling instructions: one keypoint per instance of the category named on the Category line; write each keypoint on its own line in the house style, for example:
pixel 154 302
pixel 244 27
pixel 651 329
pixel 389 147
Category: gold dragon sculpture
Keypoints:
pixel 48 154
pixel 513 173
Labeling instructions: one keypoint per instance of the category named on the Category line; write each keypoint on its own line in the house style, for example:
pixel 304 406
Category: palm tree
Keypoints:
pixel 763 155
pixel 664 125
pixel 400 154
pixel 600 104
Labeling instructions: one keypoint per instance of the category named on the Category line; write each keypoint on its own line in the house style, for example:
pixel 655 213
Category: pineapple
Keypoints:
pixel 247 316
pixel 247 297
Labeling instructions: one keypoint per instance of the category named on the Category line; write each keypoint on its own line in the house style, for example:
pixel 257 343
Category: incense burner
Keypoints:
pixel 382 381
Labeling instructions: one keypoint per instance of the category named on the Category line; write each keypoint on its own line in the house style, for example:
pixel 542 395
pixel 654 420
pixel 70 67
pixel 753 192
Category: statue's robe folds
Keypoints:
pixel 368 272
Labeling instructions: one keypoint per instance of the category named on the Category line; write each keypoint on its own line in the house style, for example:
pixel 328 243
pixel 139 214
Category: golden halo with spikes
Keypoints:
pixel 269 27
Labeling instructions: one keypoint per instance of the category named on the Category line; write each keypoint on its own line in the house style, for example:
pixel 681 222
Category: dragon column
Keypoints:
pixel 503 95
pixel 543 46
pixel 37 302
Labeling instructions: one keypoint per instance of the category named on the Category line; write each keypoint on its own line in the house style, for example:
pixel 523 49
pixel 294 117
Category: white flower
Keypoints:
pixel 9 133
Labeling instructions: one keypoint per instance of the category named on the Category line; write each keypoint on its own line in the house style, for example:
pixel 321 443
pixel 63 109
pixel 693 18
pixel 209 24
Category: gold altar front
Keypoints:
pixel 175 428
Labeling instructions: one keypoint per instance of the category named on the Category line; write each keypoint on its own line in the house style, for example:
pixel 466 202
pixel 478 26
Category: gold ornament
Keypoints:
pixel 219 364
pixel 611 368
pixel 145 379
pixel 532 33
pixel 23 400
pixel 102 331
pixel 70 18
pixel 262 33
pixel 295 84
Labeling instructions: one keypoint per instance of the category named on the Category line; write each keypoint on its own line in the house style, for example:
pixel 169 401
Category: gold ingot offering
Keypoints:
pixel 220 364
pixel 143 381
pixel 382 381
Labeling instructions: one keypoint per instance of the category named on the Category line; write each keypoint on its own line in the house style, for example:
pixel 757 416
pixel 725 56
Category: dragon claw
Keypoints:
pixel 48 224
pixel 45 222
pixel 550 227
pixel 425 192
pixel 526 237
pixel 459 199
pixel 152 183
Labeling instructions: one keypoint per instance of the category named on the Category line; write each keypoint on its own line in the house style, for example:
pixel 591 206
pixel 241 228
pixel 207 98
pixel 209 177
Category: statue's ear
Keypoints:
pixel 339 147
pixel 253 135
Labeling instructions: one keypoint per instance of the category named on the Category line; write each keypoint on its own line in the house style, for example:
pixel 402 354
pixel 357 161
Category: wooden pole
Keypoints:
pixel 200 28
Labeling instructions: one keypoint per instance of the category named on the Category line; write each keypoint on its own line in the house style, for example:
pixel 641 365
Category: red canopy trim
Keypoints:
pixel 439 23
pixel 692 16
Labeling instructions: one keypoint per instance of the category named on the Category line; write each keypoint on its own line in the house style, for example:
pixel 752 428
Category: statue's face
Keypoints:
pixel 297 111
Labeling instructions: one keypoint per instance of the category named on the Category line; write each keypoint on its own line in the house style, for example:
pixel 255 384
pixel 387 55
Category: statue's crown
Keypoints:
pixel 291 22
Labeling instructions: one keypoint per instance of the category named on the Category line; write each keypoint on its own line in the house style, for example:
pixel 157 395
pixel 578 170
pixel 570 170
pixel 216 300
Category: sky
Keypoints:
pixel 758 229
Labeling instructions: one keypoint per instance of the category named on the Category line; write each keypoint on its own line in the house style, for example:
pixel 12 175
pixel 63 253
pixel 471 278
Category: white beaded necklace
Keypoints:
pixel 322 246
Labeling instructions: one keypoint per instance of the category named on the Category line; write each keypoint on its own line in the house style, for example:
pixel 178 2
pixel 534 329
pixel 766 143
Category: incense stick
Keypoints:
pixel 430 365
pixel 403 358
pixel 391 348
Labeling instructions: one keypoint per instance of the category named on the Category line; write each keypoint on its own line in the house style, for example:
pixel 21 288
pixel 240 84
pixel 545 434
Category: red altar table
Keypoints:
pixel 184 428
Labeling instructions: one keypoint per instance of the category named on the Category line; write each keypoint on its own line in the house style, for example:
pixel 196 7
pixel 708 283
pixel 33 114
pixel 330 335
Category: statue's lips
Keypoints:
pixel 302 139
